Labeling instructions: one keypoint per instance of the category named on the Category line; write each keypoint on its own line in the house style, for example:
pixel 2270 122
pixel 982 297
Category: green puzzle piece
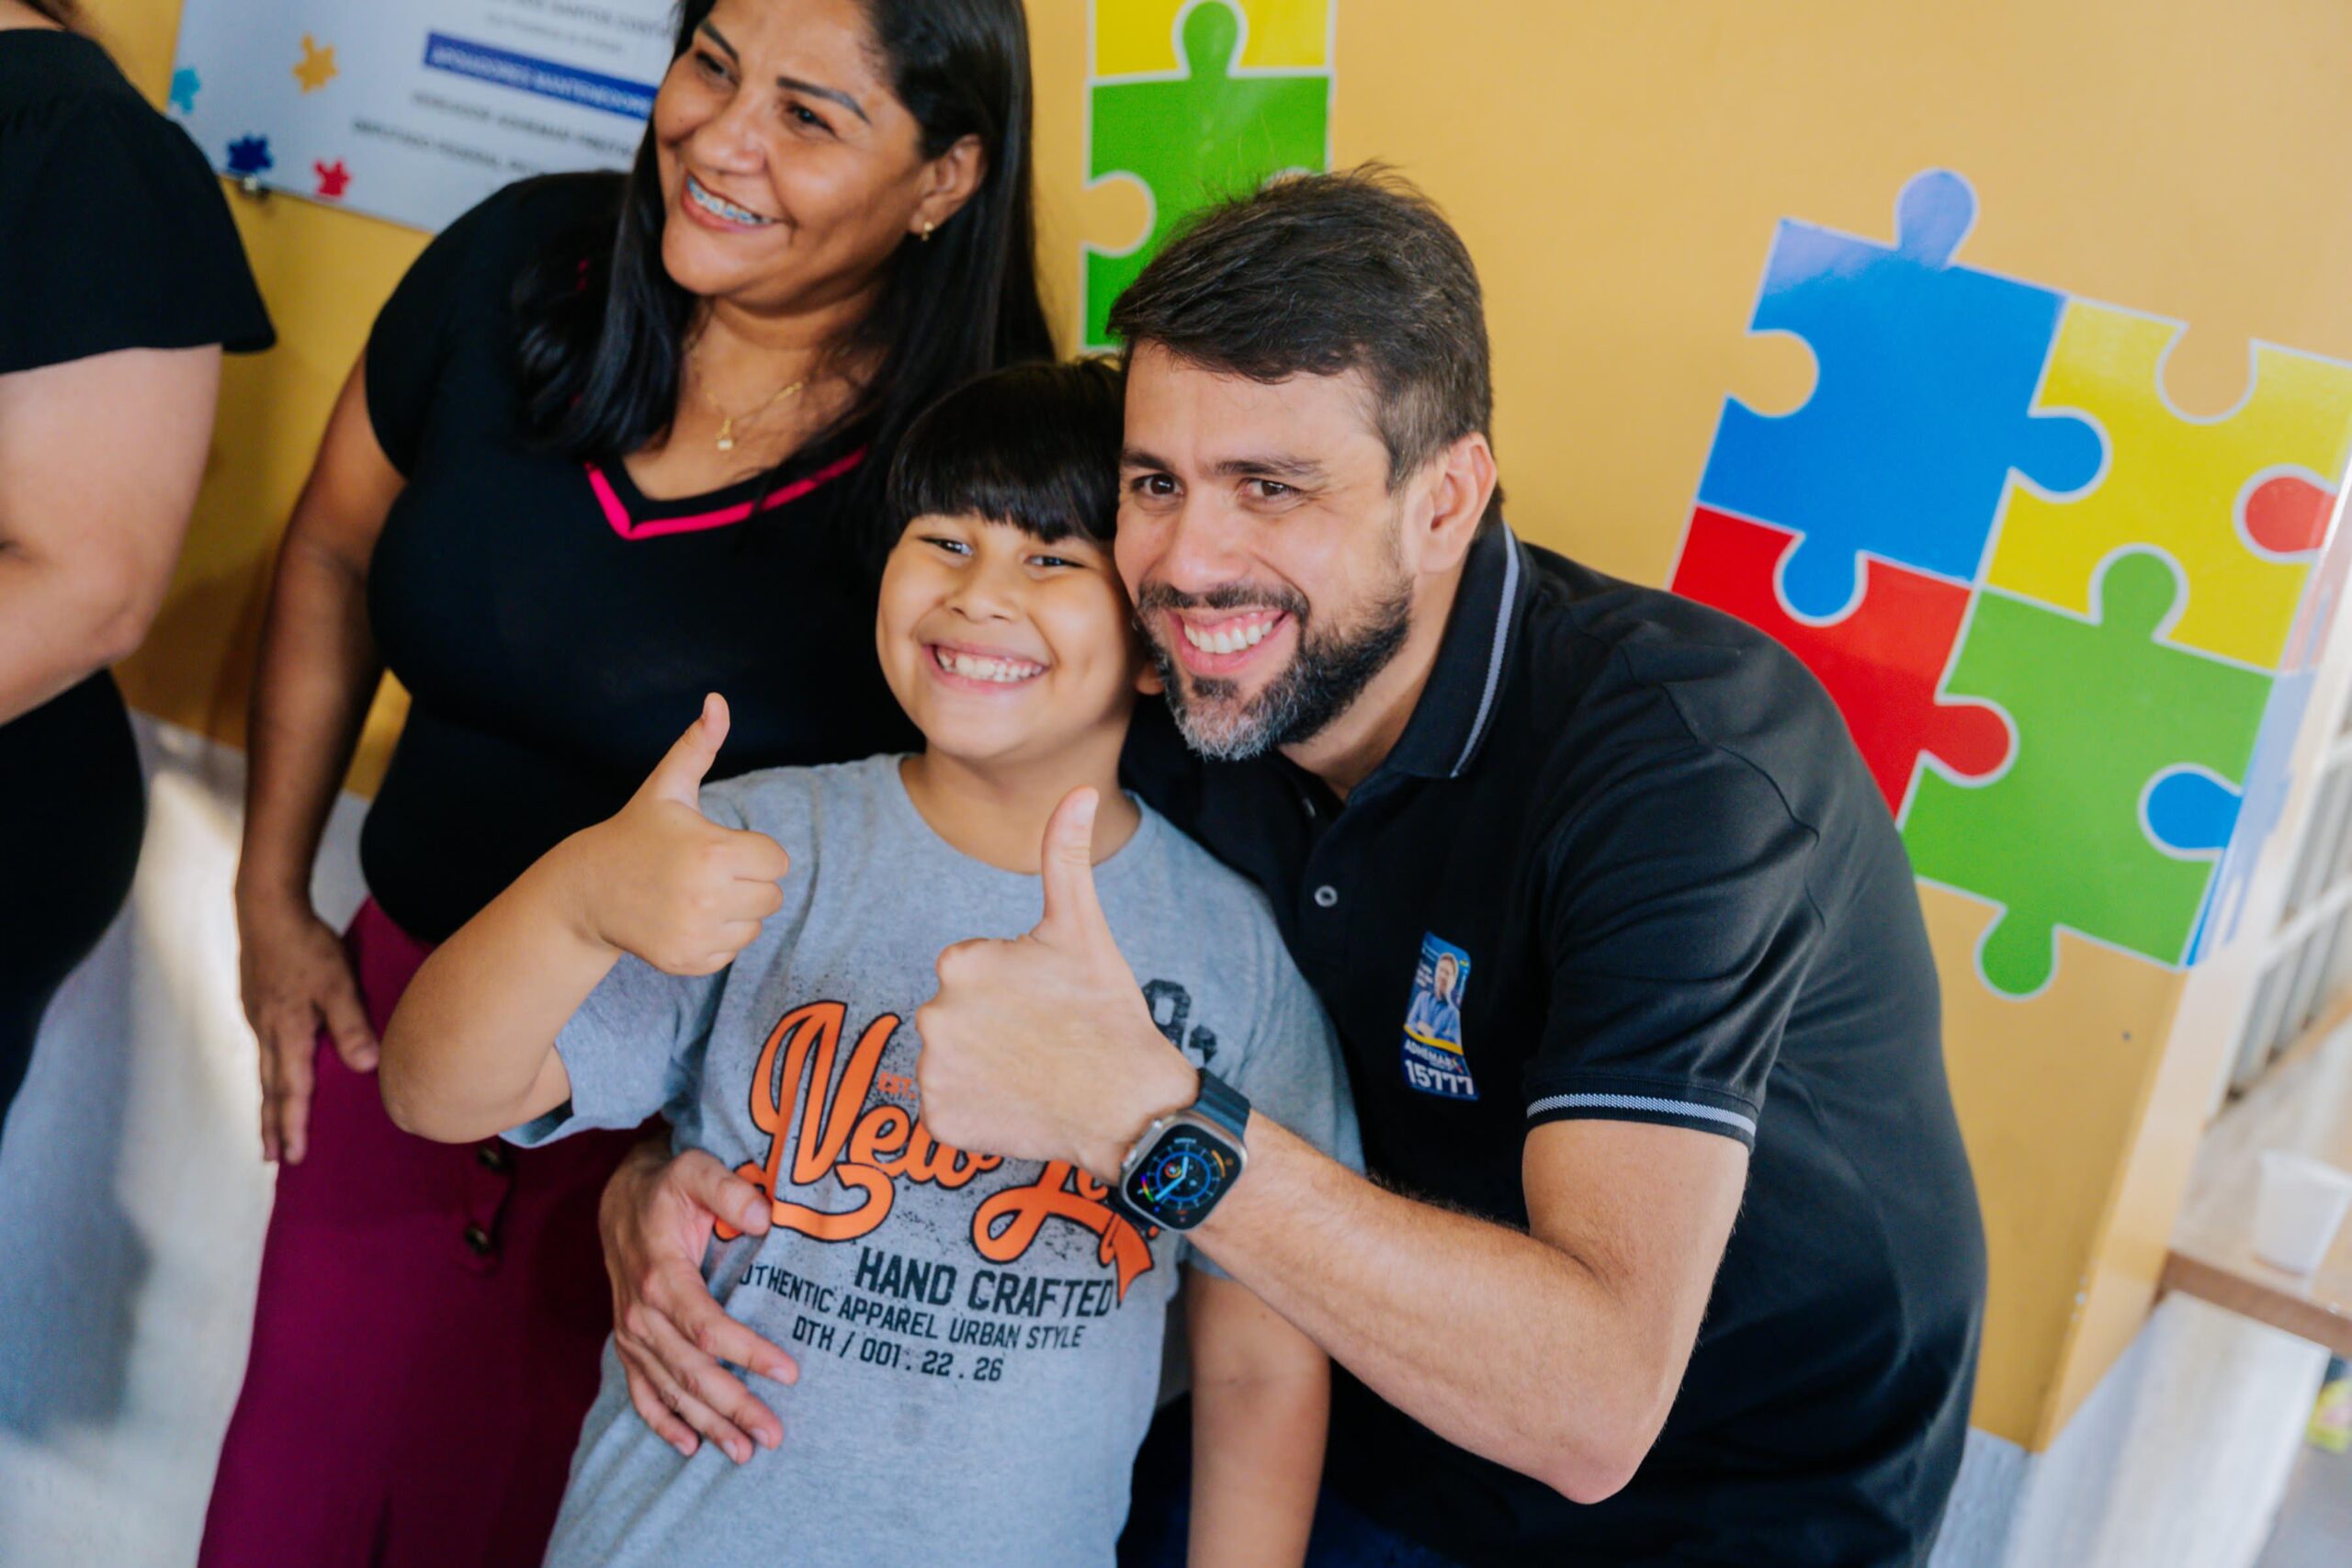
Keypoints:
pixel 1195 141
pixel 2100 710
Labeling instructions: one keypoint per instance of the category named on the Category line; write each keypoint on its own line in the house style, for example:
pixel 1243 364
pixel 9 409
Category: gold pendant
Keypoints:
pixel 727 436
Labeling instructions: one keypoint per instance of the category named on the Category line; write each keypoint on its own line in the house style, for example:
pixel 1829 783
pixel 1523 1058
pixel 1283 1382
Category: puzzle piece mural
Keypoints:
pixel 2111 772
pixel 1213 131
pixel 1138 38
pixel 1920 409
pixel 1881 663
pixel 2103 707
pixel 2178 484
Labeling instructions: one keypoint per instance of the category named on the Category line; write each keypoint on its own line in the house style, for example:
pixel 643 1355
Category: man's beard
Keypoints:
pixel 1327 674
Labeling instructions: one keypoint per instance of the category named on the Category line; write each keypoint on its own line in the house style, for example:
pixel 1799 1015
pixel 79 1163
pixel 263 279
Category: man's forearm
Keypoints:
pixel 1500 1343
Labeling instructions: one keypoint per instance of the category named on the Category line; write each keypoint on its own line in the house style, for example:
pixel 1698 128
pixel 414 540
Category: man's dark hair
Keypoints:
pixel 1320 275
pixel 1035 445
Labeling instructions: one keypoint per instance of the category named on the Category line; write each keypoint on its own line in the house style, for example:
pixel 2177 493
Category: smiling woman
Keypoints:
pixel 615 442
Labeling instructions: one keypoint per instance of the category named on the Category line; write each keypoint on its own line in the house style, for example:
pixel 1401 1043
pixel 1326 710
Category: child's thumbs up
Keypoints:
pixel 678 775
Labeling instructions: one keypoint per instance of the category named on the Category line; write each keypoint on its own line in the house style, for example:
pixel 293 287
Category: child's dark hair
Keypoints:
pixel 1034 445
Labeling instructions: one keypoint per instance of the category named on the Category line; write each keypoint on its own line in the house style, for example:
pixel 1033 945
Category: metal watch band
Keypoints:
pixel 1223 1104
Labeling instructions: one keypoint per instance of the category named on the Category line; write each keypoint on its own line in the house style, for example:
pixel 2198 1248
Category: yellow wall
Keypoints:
pixel 1618 167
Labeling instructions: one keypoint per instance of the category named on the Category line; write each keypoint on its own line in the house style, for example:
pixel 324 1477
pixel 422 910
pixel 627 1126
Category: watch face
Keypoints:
pixel 1182 1178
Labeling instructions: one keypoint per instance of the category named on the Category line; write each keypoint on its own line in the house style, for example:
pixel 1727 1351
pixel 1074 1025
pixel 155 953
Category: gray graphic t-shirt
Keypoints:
pixel 979 1339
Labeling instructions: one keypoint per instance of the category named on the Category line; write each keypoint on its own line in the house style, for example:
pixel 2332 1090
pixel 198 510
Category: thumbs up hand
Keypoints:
pixel 1042 1047
pixel 661 880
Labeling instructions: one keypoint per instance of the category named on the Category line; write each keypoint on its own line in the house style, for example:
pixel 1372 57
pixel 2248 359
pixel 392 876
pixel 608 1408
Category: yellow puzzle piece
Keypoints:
pixel 2177 484
pixel 1138 38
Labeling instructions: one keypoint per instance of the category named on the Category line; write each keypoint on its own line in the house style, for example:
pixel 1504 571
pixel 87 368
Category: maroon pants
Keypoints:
pixel 426 1337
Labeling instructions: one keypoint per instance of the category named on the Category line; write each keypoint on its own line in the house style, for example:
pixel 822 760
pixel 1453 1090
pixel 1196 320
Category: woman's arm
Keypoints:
pixel 318 672
pixel 100 463
pixel 470 1051
pixel 1261 1402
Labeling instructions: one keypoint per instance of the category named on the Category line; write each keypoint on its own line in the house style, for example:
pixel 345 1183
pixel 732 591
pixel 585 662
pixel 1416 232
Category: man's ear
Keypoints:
pixel 1458 485
pixel 1148 679
pixel 949 181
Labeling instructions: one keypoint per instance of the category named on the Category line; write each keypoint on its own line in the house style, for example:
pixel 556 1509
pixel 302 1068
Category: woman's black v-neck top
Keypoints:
pixel 556 628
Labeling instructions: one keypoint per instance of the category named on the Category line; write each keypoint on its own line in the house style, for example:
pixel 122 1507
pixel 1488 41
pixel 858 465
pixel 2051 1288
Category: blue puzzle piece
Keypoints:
pixel 250 155
pixel 1920 408
pixel 186 84
pixel 2191 812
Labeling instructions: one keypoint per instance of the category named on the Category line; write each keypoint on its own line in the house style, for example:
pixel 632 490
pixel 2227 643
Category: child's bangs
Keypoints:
pixel 1035 446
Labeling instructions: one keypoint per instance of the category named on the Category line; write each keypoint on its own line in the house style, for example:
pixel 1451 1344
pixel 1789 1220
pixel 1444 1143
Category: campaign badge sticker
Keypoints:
pixel 1433 1060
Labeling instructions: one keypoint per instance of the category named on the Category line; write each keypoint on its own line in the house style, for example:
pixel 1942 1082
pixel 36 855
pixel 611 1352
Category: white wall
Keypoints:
pixel 132 1197
pixel 2178 1459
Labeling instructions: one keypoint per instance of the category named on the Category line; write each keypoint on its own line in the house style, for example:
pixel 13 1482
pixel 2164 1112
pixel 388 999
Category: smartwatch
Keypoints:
pixel 1187 1160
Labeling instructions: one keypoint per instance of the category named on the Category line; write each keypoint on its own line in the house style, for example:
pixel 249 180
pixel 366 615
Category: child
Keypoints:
pixel 979 1339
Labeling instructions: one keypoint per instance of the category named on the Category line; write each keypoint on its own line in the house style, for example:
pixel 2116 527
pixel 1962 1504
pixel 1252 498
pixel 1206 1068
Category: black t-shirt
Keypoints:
pixel 1625 864
pixel 113 231
pixel 556 628
pixel 113 235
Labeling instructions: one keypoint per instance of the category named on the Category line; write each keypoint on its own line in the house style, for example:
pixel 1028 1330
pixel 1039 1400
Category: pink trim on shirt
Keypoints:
pixel 627 528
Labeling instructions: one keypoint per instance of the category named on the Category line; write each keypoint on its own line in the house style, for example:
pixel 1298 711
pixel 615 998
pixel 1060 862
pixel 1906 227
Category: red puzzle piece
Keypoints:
pixel 2287 516
pixel 1881 663
pixel 333 178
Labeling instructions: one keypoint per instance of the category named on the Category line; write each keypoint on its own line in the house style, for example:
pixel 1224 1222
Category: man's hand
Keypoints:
pixel 1043 1048
pixel 661 880
pixel 670 1334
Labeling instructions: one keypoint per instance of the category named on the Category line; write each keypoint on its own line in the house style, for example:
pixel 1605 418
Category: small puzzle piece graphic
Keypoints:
pixel 250 155
pixel 1920 409
pixel 317 66
pixel 2176 484
pixel 1195 140
pixel 2191 812
pixel 2287 516
pixel 1881 663
pixel 334 178
pixel 1137 38
pixel 2101 710
pixel 186 84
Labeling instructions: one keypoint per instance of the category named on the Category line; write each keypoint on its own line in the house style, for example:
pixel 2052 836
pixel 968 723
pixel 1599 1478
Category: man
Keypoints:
pixel 1703 992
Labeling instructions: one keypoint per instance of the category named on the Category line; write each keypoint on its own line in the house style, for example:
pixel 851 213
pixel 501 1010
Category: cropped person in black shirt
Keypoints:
pixel 612 444
pixel 121 281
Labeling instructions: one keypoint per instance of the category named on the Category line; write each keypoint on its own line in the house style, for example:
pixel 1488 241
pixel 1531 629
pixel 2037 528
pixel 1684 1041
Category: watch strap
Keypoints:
pixel 1223 1104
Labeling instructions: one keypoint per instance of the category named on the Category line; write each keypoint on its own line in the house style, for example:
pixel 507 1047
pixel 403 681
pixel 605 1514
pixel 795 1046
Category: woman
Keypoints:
pixel 109 367
pixel 612 444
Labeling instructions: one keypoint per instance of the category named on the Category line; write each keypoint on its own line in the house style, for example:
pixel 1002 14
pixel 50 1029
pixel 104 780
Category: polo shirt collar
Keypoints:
pixel 1457 707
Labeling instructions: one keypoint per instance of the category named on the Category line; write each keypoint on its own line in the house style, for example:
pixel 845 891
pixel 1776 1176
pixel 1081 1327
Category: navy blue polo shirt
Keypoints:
pixel 1624 862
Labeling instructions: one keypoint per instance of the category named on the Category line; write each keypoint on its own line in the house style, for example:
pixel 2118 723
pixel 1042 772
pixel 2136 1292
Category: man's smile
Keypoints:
pixel 1221 644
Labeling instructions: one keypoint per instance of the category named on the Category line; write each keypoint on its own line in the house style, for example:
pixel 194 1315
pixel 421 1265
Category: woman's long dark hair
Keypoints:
pixel 599 363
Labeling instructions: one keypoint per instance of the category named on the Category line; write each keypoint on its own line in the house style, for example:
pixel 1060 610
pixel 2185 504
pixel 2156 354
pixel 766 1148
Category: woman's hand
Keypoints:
pixel 296 980
pixel 661 880
pixel 671 1334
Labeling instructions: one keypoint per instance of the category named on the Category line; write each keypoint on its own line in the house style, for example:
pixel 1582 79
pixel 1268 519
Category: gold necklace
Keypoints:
pixel 727 421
